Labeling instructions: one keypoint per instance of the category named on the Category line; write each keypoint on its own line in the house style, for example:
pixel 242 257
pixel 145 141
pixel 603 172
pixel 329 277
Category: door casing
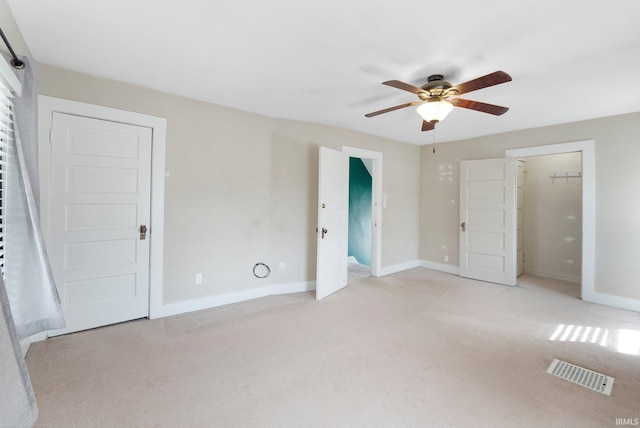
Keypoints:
pixel 46 107
pixel 587 148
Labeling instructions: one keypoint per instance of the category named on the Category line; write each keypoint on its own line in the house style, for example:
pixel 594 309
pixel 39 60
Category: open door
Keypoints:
pixel 333 217
pixel 487 220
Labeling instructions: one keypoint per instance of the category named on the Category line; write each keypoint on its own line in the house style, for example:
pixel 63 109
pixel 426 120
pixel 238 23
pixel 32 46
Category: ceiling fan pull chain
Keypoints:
pixel 434 140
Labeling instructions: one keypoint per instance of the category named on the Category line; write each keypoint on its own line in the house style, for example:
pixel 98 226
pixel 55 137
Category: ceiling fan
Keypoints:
pixel 436 97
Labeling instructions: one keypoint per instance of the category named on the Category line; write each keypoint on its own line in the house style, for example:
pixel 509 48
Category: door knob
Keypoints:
pixel 463 226
pixel 324 232
pixel 143 232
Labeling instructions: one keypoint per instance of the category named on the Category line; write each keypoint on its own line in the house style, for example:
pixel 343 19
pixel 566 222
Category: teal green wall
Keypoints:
pixel 359 211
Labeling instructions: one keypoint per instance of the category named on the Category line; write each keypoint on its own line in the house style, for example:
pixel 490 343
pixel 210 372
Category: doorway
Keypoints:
pixel 366 240
pixel 550 223
pixel 360 217
pixel 587 150
pixel 333 217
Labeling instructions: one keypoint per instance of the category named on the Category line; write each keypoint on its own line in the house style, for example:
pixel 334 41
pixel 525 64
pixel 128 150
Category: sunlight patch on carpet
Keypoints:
pixel 624 341
pixel 584 377
pixel 578 333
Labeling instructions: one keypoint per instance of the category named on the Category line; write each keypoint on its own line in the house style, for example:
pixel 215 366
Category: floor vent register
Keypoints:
pixel 584 377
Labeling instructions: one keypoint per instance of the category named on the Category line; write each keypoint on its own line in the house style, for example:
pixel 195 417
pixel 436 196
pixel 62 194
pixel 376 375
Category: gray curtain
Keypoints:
pixel 17 403
pixel 18 406
pixel 31 290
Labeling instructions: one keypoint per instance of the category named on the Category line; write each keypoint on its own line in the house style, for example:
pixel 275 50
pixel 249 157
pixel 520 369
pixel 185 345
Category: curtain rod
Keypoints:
pixel 15 62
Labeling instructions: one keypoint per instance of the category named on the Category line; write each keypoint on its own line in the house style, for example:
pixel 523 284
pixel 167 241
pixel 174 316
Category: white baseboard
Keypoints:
pixel 388 270
pixel 613 301
pixel 564 278
pixel 235 297
pixel 442 267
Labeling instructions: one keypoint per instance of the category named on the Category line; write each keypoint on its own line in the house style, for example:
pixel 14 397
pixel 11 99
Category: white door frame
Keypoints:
pixel 46 106
pixel 376 203
pixel 587 148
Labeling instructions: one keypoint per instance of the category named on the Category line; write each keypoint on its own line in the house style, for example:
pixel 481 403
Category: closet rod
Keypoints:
pixel 15 62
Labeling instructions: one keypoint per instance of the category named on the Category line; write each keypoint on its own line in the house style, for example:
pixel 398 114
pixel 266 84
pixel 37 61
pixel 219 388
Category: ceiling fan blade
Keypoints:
pixel 387 110
pixel 404 86
pixel 492 79
pixel 477 105
pixel 428 126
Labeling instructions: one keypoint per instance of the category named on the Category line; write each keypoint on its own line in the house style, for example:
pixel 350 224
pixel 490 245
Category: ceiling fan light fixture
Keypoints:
pixel 434 111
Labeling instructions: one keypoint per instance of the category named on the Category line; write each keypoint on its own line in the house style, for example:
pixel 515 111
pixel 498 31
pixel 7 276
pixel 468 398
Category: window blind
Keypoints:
pixel 8 86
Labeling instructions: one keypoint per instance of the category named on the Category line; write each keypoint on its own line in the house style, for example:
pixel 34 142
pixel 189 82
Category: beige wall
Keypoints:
pixel 617 143
pixel 553 217
pixel 11 30
pixel 242 188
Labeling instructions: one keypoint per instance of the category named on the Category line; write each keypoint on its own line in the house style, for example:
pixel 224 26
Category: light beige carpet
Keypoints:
pixel 357 272
pixel 414 349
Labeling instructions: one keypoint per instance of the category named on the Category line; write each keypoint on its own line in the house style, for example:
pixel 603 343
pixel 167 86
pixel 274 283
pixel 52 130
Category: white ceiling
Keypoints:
pixel 323 61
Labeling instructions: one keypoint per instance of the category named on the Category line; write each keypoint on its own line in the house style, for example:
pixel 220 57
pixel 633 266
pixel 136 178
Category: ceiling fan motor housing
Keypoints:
pixel 435 89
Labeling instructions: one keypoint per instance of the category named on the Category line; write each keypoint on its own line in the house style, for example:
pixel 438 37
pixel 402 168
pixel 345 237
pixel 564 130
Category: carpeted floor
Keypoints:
pixel 415 349
pixel 357 272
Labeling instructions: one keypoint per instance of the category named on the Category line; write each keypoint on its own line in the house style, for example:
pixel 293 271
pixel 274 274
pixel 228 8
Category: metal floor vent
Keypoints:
pixel 587 378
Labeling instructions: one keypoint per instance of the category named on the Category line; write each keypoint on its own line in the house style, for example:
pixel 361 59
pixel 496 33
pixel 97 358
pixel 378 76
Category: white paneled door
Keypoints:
pixel 333 218
pixel 99 220
pixel 487 220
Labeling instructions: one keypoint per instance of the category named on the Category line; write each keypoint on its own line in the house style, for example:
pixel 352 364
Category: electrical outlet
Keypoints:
pixel 198 278
pixel 446 259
